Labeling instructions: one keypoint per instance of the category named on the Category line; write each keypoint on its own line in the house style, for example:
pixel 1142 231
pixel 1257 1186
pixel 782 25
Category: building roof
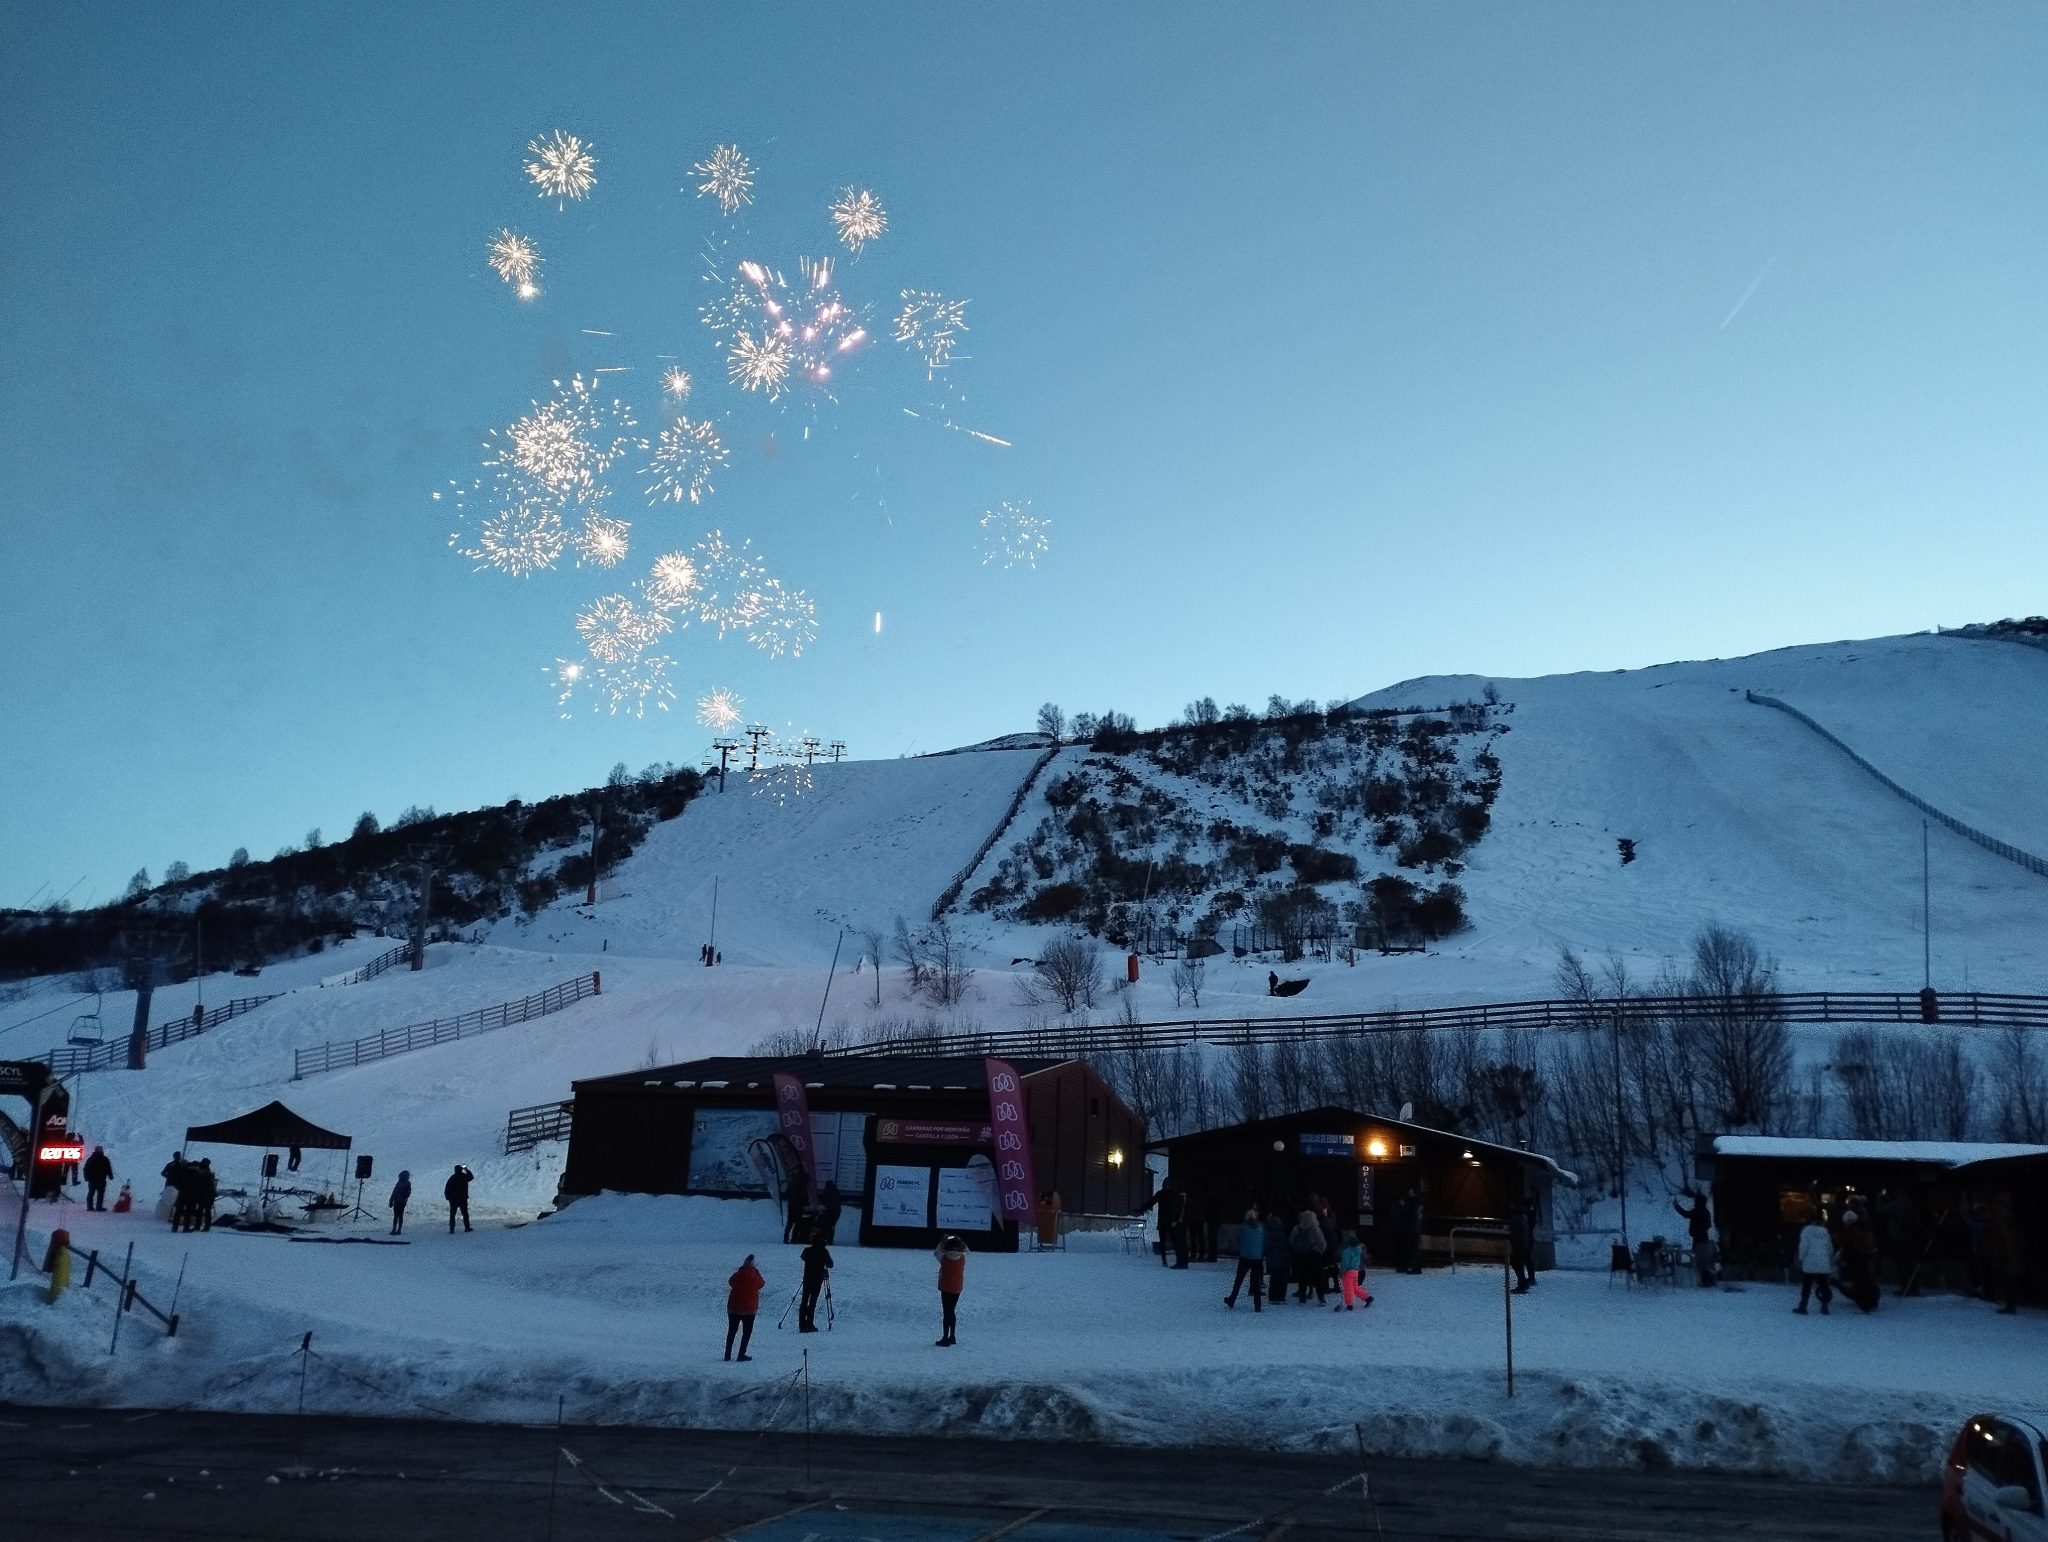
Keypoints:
pixel 1333 1114
pixel 1929 1153
pixel 900 1073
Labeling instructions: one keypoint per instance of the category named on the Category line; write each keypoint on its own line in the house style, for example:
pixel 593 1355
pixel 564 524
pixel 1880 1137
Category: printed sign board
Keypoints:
pixel 60 1153
pixel 902 1197
pixel 967 1197
pixel 930 1132
pixel 1327 1145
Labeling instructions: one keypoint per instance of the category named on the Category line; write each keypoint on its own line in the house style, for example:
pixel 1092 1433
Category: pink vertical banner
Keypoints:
pixel 1016 1189
pixel 793 1124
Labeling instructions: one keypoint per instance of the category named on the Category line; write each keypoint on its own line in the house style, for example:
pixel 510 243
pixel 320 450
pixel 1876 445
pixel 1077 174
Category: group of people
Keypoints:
pixel 455 1191
pixel 191 1190
pixel 1850 1249
pixel 1314 1253
pixel 744 1286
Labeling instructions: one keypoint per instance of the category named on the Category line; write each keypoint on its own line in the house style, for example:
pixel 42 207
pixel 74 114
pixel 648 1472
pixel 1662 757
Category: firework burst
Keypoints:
pixel 601 542
pixel 727 577
pixel 671 581
pixel 1012 536
pixel 780 621
pixel 786 778
pixel 567 442
pixel 566 676
pixel 634 685
pixel 676 382
pixel 516 260
pixel 719 710
pixel 929 325
pixel 858 216
pixel 686 456
pixel 615 630
pixel 519 537
pixel 804 331
pixel 759 364
pixel 562 167
pixel 728 177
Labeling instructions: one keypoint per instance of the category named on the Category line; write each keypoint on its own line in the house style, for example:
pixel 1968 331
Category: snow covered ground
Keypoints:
pixel 617 1305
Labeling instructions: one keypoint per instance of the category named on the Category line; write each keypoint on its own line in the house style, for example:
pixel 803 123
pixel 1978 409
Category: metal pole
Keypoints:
pixel 818 1033
pixel 121 1295
pixel 714 916
pixel 28 1184
pixel 807 1418
pixel 1926 916
pixel 1620 1131
pixel 1507 1304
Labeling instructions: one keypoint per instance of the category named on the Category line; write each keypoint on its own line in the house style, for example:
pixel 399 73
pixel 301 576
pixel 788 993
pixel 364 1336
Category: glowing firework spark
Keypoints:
pixel 515 260
pixel 567 442
pixel 780 621
pixel 759 364
pixel 728 177
pixel 686 456
pixel 1013 536
pixel 518 537
pixel 614 629
pixel 602 541
pixel 671 581
pixel 788 775
pixel 929 324
pixel 719 710
pixel 567 675
pixel 562 167
pixel 859 217
pixel 636 684
pixel 727 577
pixel 677 383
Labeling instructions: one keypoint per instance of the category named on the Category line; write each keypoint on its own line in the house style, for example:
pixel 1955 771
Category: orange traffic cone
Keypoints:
pixel 126 1202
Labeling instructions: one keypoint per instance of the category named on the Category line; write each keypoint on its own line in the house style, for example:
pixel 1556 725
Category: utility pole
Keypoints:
pixel 836 749
pixel 1926 915
pixel 810 747
pixel 1620 1129
pixel 755 734
pixel 596 821
pixel 726 748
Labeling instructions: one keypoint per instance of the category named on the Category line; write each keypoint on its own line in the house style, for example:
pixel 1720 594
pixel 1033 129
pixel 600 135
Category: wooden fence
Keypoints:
pixel 526 1128
pixel 443 1030
pixel 114 1052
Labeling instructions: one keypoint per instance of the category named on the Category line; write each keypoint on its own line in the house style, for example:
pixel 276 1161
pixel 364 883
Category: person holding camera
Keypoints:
pixel 456 1190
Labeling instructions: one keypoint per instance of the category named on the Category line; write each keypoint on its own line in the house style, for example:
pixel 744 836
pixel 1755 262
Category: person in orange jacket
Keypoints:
pixel 952 1257
pixel 742 1301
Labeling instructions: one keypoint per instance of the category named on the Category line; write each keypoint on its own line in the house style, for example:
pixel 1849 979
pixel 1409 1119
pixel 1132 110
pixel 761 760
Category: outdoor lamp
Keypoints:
pixel 1116 1159
pixel 1376 1146
pixel 1280 1145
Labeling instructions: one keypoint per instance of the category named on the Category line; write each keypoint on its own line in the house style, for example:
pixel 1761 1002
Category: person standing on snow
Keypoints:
pixel 1306 1244
pixel 456 1192
pixel 817 1271
pixel 1277 1259
pixel 208 1196
pixel 952 1257
pixel 1699 1226
pixel 401 1196
pixel 167 1204
pixel 831 1203
pixel 742 1302
pixel 1521 1237
pixel 1350 1263
pixel 1251 1260
pixel 1411 1232
pixel 1816 1263
pixel 98 1170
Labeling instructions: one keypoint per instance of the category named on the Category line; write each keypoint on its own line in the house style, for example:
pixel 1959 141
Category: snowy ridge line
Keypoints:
pixel 951 892
pixel 104 1057
pixel 1990 843
pixel 1971 1009
pixel 443 1030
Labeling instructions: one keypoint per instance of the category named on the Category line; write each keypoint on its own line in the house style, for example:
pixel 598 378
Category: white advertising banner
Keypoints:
pixel 967 1197
pixel 902 1197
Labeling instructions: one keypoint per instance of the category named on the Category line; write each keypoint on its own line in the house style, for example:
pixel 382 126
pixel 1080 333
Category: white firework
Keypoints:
pixel 686 456
pixel 787 776
pixel 719 710
pixel 727 578
pixel 858 216
pixel 567 676
pixel 929 325
pixel 780 621
pixel 567 442
pixel 633 685
pixel 514 534
pixel 515 260
pixel 1012 536
pixel 562 167
pixel 728 177
pixel 759 363
pixel 600 541
pixel 614 629
pixel 671 581
pixel 676 382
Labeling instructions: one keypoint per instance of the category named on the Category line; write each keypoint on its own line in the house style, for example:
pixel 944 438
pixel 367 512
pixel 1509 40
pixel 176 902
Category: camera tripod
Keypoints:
pixel 831 1313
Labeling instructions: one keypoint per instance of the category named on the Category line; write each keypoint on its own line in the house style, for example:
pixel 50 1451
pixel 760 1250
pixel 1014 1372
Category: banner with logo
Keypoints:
pixel 1016 1188
pixel 793 1123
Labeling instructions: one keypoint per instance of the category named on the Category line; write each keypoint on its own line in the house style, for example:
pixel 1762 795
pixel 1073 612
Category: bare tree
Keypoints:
pixel 1071 970
pixel 1053 721
pixel 945 968
pixel 1249 1088
pixel 1746 1051
pixel 1187 976
pixel 1897 1087
pixel 2022 1089
pixel 871 951
pixel 910 955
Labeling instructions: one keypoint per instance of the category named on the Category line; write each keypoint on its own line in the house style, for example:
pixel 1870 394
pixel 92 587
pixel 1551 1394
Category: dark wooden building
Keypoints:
pixel 905 1137
pixel 1366 1165
pixel 1928 1200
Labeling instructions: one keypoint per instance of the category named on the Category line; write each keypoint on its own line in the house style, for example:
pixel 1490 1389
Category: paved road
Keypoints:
pixel 86 1475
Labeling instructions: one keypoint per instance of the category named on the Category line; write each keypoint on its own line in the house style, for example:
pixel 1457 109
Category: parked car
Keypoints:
pixel 1994 1487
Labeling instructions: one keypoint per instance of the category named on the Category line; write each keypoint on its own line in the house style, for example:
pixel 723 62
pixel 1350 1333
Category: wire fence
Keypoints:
pixel 1990 843
pixel 343 1053
pixel 1971 1009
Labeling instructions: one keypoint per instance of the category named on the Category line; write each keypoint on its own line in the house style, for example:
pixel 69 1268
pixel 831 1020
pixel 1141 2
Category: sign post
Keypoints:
pixel 1016 1190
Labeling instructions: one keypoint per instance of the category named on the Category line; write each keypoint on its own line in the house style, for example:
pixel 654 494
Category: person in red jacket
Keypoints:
pixel 742 1301
pixel 952 1257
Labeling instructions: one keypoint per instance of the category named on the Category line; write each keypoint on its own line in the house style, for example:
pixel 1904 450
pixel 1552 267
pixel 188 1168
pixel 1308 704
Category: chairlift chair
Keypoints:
pixel 86 1028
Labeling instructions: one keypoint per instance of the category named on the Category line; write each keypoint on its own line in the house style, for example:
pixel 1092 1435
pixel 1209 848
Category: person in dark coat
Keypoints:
pixel 1171 1202
pixel 183 1177
pixel 208 1196
pixel 98 1170
pixel 742 1302
pixel 401 1196
pixel 1251 1260
pixel 1411 1232
pixel 817 1263
pixel 1272 983
pixel 1278 1260
pixel 1858 1251
pixel 456 1191
pixel 173 1175
pixel 1521 1249
pixel 1332 1235
pixel 1305 1242
pixel 831 1203
pixel 1699 1226
pixel 795 1196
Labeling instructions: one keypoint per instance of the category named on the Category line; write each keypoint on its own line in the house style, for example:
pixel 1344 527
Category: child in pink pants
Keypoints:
pixel 1350 1260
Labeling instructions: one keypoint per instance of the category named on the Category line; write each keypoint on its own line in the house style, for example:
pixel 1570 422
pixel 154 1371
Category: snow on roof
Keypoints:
pixel 1937 1153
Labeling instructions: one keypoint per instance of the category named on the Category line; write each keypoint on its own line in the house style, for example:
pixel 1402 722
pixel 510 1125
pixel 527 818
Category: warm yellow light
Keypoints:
pixel 1116 1159
pixel 1376 1146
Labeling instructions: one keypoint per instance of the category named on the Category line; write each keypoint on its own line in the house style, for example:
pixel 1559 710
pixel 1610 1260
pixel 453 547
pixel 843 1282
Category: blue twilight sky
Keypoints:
pixel 1339 343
